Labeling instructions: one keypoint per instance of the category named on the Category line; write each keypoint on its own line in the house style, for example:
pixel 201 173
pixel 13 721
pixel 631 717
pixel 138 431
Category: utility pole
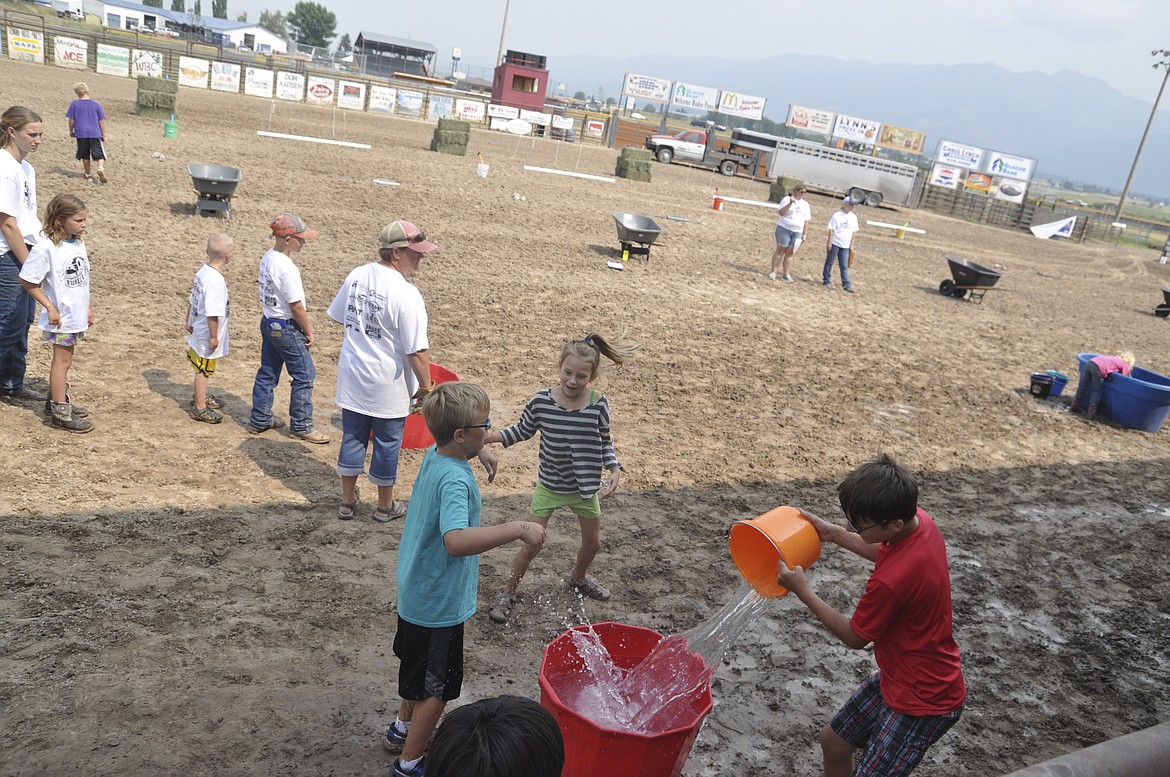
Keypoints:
pixel 503 29
pixel 1164 63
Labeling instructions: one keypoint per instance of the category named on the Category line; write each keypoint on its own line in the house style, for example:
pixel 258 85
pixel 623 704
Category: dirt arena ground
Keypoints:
pixel 180 598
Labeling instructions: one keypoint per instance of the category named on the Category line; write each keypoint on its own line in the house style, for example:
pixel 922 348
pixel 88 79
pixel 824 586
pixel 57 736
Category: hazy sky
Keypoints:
pixel 1108 39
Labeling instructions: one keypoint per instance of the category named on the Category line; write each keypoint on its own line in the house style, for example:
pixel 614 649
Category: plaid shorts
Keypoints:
pixel 205 367
pixel 65 339
pixel 892 742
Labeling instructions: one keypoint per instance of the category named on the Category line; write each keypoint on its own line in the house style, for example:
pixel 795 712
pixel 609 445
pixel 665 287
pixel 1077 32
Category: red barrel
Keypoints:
pixel 591 749
pixel 416 434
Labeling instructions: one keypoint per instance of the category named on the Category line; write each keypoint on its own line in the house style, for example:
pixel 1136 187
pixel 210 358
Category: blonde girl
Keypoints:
pixel 57 276
pixel 575 446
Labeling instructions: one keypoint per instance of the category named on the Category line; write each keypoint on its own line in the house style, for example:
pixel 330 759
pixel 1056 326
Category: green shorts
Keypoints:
pixel 544 501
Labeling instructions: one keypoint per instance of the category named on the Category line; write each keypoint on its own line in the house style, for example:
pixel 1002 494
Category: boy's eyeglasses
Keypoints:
pixel 487 424
pixel 849 522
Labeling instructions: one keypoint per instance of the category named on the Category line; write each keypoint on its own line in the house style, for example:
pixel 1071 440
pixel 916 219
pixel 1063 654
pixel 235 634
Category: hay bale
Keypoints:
pixel 152 84
pixel 630 175
pixel 782 186
pixel 632 171
pixel 157 98
pixel 455 125
pixel 448 137
pixel 639 154
pixel 447 148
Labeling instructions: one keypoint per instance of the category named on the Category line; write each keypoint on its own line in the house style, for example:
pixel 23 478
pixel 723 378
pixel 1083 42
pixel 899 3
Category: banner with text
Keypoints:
pixel 225 76
pixel 503 112
pixel 646 87
pixel 290 86
pixel 901 139
pixel 811 119
pixel 26 45
pixel 351 95
pixel 113 60
pixel 745 106
pixel 1018 168
pixel 692 96
pixel 958 155
pixel 70 52
pixel 320 91
pixel 258 82
pixel 470 110
pixel 146 63
pixel 382 99
pixel 977 183
pixel 946 177
pixel 440 106
pixel 410 103
pixel 855 129
pixel 194 72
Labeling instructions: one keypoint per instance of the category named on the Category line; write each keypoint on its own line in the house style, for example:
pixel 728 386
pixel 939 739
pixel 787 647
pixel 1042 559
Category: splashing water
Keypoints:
pixel 659 692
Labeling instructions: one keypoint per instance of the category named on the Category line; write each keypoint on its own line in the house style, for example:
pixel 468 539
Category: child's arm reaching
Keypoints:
pixel 477 539
pixel 524 429
pixel 839 535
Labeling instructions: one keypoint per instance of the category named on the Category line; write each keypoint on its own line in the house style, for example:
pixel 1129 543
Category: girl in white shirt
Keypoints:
pixel 56 274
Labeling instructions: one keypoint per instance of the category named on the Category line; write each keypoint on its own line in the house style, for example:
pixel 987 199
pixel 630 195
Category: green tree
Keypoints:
pixel 344 46
pixel 179 6
pixel 275 22
pixel 153 3
pixel 578 95
pixel 312 24
pixel 219 9
pixel 197 11
pixel 243 17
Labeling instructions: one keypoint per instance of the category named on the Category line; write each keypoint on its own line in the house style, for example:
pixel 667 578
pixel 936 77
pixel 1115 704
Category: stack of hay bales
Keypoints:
pixel 451 137
pixel 634 164
pixel 782 187
pixel 157 97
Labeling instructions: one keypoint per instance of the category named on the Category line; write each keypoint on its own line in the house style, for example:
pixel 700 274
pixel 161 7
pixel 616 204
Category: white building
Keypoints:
pixel 126 15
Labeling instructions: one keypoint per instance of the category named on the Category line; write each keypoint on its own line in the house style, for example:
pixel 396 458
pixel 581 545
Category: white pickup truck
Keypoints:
pixel 698 147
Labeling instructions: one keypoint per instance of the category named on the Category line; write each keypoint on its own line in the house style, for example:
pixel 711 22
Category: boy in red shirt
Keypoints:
pixel 918 692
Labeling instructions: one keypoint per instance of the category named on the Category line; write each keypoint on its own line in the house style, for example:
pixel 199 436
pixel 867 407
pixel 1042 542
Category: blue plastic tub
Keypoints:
pixel 1059 381
pixel 1137 401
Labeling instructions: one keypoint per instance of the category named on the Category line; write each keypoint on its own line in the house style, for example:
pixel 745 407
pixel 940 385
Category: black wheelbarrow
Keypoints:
pixel 636 234
pixel 1163 310
pixel 215 185
pixel 967 278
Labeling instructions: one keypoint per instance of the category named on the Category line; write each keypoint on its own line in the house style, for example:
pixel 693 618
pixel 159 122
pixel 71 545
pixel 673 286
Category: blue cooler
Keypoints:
pixel 1059 381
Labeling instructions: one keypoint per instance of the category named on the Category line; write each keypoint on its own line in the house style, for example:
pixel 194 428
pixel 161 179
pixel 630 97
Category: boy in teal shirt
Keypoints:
pixel 438 568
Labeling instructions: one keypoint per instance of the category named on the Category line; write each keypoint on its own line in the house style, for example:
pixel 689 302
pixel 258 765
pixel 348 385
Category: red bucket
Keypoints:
pixel 416 434
pixel 591 749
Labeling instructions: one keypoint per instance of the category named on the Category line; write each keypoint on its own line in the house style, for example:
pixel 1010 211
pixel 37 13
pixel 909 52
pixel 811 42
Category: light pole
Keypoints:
pixel 503 29
pixel 1163 63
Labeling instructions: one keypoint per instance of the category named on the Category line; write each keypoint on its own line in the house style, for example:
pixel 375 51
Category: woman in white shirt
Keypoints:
pixel 795 214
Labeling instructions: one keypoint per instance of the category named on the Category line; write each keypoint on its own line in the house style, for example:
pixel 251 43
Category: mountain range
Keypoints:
pixel 1076 126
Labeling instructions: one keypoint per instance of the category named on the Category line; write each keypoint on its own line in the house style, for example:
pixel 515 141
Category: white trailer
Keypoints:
pixel 864 178
pixel 70 9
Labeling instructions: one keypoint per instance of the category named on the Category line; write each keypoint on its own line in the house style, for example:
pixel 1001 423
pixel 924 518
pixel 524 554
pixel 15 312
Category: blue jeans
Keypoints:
pixel 1089 388
pixel 356 430
pixel 839 255
pixel 17 309
pixel 284 345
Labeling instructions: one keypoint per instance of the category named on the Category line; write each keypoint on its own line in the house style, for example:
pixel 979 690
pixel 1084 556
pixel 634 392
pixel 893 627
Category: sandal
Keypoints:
pixel 214 403
pixel 396 510
pixel 345 510
pixel 206 415
pixel 503 607
pixel 590 587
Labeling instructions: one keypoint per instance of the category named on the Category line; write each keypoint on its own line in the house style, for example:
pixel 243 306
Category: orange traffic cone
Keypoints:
pixel 717 203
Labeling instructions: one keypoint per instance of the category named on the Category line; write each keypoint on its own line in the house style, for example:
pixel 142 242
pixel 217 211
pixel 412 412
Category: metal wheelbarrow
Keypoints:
pixel 636 234
pixel 215 185
pixel 1163 310
pixel 967 277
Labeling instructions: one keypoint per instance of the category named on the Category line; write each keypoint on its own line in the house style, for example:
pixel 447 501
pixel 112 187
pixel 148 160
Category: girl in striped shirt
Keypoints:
pixel 575 446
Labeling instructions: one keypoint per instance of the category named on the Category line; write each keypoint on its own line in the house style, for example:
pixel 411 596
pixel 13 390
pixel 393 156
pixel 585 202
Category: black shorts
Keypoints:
pixel 90 148
pixel 430 661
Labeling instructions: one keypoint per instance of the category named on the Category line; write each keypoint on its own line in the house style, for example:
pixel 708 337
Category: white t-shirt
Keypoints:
pixel 209 297
pixel 280 285
pixel 63 272
pixel 385 321
pixel 18 198
pixel 797 216
pixel 843 225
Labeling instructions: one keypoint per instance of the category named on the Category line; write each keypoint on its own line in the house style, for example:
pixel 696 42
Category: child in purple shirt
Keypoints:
pixel 87 123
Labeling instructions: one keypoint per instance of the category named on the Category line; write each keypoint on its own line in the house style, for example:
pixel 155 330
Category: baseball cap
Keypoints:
pixel 291 225
pixel 848 201
pixel 403 234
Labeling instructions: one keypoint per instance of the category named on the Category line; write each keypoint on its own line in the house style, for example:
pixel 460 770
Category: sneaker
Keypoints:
pixel 315 437
pixel 277 423
pixel 849 289
pixel 590 587
pixel 788 278
pixel 828 285
pixel 101 175
pixel 394 741
pixel 771 276
pixel 206 415
pixel 398 771
pixel 25 394
pixel 503 607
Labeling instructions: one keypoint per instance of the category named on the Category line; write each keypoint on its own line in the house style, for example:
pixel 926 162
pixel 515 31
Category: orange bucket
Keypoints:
pixel 416 434
pixel 779 535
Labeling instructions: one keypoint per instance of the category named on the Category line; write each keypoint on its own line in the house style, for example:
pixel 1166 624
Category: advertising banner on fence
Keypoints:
pixel 646 87
pixel 70 52
pixel 290 86
pixel 855 129
pixel 113 60
pixel 382 99
pixel 146 63
pixel 594 128
pixel 1010 191
pixel 441 106
pixel 692 96
pixel 946 177
pixel 193 72
pixel 258 82
pixel 26 45
pixel 410 103
pixel 958 155
pixel 562 122
pixel 1062 228
pixel 1007 166
pixel 901 139
pixel 811 119
pixel 351 96
pixel 979 183
pixel 470 110
pixel 320 91
pixel 533 117
pixel 225 76
pixel 743 105
pixel 503 112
